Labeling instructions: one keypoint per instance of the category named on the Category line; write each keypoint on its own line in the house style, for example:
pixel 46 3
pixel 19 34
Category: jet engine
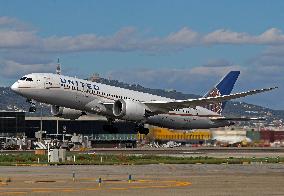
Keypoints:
pixel 66 113
pixel 129 110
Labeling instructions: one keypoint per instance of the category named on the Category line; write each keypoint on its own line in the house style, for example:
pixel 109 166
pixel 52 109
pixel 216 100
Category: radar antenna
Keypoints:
pixel 58 68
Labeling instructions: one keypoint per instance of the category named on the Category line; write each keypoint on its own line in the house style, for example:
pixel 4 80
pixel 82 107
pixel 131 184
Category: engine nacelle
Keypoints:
pixel 66 113
pixel 129 110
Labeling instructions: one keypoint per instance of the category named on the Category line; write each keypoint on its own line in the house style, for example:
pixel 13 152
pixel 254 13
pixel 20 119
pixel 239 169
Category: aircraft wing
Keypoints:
pixel 164 106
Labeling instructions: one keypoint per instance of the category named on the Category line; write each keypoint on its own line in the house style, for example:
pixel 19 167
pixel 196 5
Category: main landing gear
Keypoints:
pixel 109 127
pixel 32 108
pixel 142 130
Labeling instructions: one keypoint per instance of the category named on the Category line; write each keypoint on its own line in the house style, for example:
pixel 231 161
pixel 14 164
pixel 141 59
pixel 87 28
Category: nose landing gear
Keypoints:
pixel 32 108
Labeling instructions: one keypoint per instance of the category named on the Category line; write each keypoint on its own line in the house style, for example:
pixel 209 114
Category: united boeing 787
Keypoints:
pixel 71 97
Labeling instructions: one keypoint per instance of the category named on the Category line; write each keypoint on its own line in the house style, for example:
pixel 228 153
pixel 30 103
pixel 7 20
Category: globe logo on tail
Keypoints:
pixel 215 107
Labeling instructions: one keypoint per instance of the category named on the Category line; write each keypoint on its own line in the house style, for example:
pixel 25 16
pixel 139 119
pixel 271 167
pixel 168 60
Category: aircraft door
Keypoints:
pixel 195 113
pixel 85 91
pixel 80 94
pixel 51 83
pixel 47 83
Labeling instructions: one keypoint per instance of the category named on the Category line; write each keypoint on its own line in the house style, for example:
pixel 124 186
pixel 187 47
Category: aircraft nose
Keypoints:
pixel 15 87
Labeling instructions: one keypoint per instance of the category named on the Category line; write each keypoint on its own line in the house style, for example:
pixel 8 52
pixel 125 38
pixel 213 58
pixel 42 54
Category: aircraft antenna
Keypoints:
pixel 58 68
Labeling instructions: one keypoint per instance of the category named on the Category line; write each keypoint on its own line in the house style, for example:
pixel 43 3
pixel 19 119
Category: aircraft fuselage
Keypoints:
pixel 88 96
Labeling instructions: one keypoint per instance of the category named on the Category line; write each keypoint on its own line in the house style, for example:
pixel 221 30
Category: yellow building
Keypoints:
pixel 166 134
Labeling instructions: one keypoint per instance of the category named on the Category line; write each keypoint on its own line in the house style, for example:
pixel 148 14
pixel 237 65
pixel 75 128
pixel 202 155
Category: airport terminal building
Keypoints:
pixel 12 123
pixel 16 124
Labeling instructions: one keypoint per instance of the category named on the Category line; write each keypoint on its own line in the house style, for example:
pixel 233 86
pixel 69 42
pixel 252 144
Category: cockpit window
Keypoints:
pixel 23 78
pixel 29 79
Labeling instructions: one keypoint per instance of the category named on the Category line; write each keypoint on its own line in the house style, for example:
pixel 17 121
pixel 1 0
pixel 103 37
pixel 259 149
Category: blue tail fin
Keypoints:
pixel 224 87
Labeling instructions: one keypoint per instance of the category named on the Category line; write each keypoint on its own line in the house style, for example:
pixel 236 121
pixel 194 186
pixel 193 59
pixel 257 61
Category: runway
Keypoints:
pixel 253 179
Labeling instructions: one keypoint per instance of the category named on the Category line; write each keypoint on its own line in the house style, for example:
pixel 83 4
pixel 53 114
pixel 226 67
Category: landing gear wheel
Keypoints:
pixel 32 109
pixel 110 128
pixel 143 130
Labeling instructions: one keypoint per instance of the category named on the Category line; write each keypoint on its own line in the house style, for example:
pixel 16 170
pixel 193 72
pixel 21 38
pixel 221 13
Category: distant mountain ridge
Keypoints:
pixel 12 102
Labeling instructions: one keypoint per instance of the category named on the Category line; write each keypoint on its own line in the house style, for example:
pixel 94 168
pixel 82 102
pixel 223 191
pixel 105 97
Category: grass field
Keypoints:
pixel 88 159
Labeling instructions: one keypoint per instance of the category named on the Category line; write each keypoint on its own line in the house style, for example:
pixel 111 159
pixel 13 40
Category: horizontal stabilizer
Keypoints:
pixel 237 119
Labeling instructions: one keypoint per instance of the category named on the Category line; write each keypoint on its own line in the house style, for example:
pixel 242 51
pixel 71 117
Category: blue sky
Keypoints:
pixel 184 45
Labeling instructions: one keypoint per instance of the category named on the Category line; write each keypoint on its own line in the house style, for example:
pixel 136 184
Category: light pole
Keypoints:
pixel 64 131
pixel 40 117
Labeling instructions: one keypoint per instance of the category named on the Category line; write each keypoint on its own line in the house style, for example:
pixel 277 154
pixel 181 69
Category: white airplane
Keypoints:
pixel 71 97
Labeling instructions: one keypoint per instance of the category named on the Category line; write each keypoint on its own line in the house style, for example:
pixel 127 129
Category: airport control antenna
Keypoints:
pixel 58 68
